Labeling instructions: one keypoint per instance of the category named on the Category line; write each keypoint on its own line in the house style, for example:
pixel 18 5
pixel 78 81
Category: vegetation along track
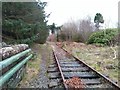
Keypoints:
pixel 75 73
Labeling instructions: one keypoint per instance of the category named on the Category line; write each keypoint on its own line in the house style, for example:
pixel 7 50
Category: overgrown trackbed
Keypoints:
pixel 75 73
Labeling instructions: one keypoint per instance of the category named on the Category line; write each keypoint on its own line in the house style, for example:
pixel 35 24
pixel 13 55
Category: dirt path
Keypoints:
pixel 41 80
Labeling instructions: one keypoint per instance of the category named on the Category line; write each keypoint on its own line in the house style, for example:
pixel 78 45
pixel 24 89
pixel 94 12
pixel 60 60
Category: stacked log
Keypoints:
pixel 11 50
pixel 74 83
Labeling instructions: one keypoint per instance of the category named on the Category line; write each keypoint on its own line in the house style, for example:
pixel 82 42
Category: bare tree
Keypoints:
pixel 77 30
pixel 70 30
pixel 86 28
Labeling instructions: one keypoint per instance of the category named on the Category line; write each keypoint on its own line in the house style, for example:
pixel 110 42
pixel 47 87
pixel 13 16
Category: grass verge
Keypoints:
pixel 32 67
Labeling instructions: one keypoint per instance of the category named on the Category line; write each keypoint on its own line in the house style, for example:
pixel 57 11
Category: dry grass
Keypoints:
pixel 99 58
pixel 33 67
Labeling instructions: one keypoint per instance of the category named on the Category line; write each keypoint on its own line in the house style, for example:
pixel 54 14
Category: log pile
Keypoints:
pixel 8 51
pixel 74 83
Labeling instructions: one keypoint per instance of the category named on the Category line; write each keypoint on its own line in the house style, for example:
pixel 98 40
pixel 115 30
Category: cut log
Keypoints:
pixel 6 52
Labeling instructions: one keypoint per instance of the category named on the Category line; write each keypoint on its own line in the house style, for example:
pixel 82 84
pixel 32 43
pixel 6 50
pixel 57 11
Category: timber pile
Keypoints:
pixel 6 52
pixel 74 83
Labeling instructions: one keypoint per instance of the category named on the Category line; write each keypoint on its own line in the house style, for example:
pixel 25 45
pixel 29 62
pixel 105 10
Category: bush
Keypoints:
pixel 102 37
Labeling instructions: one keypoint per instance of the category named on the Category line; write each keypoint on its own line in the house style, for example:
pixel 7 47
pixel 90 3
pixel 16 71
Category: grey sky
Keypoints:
pixel 63 10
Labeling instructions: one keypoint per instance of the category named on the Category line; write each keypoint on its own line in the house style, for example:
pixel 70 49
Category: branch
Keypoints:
pixel 115 55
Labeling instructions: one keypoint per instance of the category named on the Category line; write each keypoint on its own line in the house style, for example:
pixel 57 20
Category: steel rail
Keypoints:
pixel 58 64
pixel 107 79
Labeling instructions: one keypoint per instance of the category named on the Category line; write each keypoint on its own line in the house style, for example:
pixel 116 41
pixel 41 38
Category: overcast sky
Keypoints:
pixel 64 10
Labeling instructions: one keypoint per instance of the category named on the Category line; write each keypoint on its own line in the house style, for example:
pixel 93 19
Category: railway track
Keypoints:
pixel 67 72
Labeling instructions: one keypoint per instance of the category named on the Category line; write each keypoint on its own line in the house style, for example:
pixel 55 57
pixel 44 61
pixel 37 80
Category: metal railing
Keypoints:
pixel 13 73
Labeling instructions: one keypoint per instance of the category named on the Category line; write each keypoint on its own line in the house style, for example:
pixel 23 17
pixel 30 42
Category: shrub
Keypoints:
pixel 102 37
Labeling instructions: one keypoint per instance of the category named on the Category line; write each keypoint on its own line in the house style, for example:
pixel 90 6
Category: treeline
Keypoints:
pixel 24 22
pixel 86 32
pixel 78 31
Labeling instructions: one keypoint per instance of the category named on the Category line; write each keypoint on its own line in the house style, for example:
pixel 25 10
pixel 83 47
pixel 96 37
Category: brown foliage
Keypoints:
pixel 74 83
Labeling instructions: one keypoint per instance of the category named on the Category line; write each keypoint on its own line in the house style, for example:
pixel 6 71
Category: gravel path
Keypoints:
pixel 42 80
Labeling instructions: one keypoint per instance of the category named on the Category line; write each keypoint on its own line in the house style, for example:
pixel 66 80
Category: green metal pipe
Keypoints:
pixel 10 73
pixel 12 59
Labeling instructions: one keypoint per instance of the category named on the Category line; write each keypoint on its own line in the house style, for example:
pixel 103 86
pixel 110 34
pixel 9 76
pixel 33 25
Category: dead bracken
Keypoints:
pixel 75 82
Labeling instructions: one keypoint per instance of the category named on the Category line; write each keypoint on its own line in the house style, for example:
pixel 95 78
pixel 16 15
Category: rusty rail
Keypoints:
pixel 58 64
